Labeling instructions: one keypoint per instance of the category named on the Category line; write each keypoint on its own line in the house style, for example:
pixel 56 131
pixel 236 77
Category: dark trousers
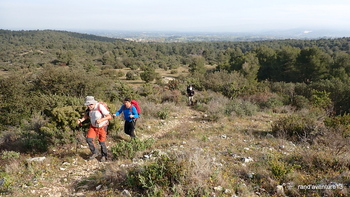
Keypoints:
pixel 129 128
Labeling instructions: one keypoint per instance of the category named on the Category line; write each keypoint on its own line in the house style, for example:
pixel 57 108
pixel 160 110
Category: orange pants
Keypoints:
pixel 101 132
pixel 97 131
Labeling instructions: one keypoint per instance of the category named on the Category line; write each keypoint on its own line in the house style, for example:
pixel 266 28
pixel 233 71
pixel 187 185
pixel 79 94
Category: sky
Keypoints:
pixel 175 15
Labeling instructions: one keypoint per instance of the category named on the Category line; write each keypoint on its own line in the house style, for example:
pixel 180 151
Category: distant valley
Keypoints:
pixel 153 36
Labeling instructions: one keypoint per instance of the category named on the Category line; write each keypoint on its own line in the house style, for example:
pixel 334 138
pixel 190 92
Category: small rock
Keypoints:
pixel 269 136
pixel 40 159
pixel 246 159
pixel 250 175
pixel 98 187
pixel 280 190
pixel 125 193
pixel 218 188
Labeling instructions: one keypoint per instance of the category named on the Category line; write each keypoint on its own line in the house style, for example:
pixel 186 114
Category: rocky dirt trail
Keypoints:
pixel 186 116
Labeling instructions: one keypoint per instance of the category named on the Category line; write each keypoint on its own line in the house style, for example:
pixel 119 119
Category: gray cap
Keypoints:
pixel 90 100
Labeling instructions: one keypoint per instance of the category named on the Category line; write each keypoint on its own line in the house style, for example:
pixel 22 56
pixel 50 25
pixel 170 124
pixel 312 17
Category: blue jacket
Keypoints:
pixel 127 112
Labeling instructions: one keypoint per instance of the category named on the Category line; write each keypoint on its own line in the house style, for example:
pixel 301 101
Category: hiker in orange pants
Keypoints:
pixel 99 116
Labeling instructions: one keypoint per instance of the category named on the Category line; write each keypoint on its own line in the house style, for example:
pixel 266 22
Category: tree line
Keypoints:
pixel 44 68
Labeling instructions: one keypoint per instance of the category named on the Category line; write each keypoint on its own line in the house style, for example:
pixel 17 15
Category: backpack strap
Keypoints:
pixel 98 108
pixel 124 107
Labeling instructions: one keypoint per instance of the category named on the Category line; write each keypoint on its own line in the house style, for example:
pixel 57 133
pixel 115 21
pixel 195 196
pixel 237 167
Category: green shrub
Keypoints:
pixel 271 103
pixel 340 123
pixel 156 178
pixel 300 102
pixel 297 128
pixel 149 75
pixel 10 155
pixel 171 96
pixel 149 89
pixel 128 149
pixel 8 184
pixel 34 142
pixel 238 107
pixel 321 99
pixel 66 117
pixel 200 107
pixel 280 168
pixel 173 84
pixel 120 74
pixel 131 75
pixel 163 114
pixel 216 107
pixel 174 72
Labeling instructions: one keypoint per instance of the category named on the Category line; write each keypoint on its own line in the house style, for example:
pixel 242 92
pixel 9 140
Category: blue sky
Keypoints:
pixel 179 15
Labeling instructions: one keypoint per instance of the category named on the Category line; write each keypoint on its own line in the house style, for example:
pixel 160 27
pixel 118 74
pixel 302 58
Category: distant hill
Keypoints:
pixel 42 34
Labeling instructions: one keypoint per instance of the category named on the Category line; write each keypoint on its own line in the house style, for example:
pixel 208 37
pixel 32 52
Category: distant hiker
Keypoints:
pixel 99 116
pixel 190 94
pixel 130 117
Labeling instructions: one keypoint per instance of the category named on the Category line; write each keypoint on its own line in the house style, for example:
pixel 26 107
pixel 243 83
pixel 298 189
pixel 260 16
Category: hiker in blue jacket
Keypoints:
pixel 130 115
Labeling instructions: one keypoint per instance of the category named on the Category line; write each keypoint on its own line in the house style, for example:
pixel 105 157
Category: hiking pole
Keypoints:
pixel 77 132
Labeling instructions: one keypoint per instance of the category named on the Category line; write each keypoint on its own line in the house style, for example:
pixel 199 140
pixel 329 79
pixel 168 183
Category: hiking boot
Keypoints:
pixel 93 156
pixel 103 159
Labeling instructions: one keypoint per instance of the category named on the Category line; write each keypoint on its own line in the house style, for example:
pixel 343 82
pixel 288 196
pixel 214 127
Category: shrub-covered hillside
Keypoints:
pixel 270 118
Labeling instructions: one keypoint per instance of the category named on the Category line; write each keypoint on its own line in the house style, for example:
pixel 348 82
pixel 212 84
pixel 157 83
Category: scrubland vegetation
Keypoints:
pixel 271 118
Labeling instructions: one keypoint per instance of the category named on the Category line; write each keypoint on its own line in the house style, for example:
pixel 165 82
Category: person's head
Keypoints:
pixel 127 102
pixel 90 102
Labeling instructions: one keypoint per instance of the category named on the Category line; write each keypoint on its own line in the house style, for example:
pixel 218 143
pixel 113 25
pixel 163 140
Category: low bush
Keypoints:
pixel 340 123
pixel 298 128
pixel 279 168
pixel 157 178
pixel 239 107
pixel 128 149
pixel 300 102
pixel 171 96
pixel 10 155
pixel 132 75
pixel 163 114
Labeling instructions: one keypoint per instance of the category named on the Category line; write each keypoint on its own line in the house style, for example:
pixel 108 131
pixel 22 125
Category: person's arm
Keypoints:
pixel 119 111
pixel 81 120
pixel 106 117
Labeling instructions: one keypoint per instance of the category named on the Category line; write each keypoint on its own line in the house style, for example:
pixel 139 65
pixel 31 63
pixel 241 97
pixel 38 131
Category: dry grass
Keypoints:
pixel 183 70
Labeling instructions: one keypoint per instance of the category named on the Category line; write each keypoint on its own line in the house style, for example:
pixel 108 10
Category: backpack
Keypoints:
pixel 190 90
pixel 136 105
pixel 104 104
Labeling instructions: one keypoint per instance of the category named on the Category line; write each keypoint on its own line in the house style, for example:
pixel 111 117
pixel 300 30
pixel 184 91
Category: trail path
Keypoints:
pixel 183 118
